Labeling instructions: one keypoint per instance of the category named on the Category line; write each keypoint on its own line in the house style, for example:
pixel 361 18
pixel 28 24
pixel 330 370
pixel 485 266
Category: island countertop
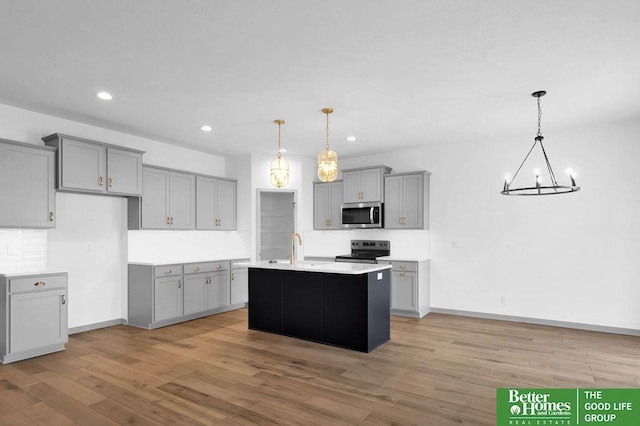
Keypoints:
pixel 322 267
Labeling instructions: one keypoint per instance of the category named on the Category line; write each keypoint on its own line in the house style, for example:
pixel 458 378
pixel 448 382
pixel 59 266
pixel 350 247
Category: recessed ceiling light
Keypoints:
pixel 351 138
pixel 106 96
pixel 205 128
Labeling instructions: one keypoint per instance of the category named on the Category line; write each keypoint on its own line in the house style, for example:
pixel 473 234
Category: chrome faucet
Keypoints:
pixel 293 236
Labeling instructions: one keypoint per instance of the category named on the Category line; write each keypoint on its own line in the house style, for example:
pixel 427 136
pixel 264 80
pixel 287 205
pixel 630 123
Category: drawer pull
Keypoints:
pixel 64 300
pixel 403 267
pixel 403 274
pixel 168 271
pixel 39 284
pixel 196 268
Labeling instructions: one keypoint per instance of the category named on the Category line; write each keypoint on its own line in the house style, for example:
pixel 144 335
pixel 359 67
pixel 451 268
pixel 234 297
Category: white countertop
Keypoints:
pixel 402 259
pixel 24 271
pixel 179 261
pixel 313 266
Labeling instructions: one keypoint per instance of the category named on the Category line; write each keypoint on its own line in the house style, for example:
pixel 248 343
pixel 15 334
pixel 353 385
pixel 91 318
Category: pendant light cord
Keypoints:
pixel 279 153
pixel 327 144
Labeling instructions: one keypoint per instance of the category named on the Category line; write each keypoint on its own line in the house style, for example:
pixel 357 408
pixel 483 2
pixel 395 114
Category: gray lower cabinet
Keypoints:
pixel 206 286
pixel 33 315
pixel 95 167
pixel 327 200
pixel 409 288
pixel 404 200
pixel 27 185
pixel 161 295
pixel 239 285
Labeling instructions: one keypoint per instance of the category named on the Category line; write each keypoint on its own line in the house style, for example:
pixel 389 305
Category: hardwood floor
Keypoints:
pixel 440 369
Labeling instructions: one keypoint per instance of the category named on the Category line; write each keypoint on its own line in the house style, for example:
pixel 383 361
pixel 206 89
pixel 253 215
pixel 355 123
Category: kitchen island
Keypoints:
pixel 340 304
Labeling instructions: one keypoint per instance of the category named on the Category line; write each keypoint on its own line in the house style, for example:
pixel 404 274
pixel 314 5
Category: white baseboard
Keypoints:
pixel 565 324
pixel 97 325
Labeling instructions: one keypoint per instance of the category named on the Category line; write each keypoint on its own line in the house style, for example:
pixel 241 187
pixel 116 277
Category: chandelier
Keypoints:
pixel 539 188
pixel 279 165
pixel 327 159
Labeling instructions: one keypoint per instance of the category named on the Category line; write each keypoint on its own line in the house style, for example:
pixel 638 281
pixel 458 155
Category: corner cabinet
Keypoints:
pixel 95 167
pixel 364 185
pixel 409 288
pixel 406 200
pixel 33 315
pixel 215 203
pixel 167 294
pixel 327 200
pixel 27 185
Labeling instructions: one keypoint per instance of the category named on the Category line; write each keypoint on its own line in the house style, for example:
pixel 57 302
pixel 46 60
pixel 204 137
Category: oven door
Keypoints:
pixel 362 215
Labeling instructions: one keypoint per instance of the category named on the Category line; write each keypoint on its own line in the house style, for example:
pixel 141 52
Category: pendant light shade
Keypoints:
pixel 538 188
pixel 279 165
pixel 327 159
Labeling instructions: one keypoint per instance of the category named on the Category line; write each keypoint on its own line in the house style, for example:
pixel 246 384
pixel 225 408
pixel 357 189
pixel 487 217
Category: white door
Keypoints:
pixel 275 224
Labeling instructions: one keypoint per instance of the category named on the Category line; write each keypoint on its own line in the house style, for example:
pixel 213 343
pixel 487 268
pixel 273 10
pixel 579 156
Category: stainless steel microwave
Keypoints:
pixel 362 215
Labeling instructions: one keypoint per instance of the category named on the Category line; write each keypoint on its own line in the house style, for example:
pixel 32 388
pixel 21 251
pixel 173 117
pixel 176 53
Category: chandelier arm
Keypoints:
pixel 546 159
pixel 523 161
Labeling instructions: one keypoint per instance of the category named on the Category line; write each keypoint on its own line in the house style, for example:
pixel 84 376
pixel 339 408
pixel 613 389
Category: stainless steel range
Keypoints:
pixel 366 251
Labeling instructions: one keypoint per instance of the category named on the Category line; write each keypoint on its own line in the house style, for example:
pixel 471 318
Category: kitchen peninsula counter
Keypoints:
pixel 339 304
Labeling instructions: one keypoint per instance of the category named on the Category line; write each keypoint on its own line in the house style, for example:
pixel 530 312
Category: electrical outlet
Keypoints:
pixel 504 300
pixel 455 244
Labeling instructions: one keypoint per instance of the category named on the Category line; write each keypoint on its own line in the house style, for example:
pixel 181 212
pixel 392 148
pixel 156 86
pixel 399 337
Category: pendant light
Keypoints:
pixel 327 159
pixel 279 165
pixel 539 188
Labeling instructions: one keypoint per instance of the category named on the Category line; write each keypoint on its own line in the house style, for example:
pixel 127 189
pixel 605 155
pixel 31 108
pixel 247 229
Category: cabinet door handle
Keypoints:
pixel 168 271
pixel 168 220
pixel 39 284
pixel 171 220
pixel 100 180
pixel 233 277
pixel 179 283
pixel 64 300
pixel 50 216
pixel 110 182
pixel 329 222
pixel 196 268
pixel 219 222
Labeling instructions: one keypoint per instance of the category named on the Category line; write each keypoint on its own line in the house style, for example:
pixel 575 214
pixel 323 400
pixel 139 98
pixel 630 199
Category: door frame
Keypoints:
pixel 259 193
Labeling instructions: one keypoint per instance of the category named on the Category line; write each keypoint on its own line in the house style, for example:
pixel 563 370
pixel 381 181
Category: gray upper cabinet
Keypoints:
pixel 363 185
pixel 404 200
pixel 27 185
pixel 327 199
pixel 168 200
pixel 215 203
pixel 95 167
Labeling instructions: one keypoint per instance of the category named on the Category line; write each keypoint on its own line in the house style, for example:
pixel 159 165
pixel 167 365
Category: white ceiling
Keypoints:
pixel 397 73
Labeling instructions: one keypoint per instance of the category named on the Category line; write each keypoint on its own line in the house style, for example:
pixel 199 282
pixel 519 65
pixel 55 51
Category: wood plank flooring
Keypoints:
pixel 440 369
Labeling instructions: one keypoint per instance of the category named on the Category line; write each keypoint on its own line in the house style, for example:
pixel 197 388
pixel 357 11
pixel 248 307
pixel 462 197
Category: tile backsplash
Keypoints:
pixel 21 248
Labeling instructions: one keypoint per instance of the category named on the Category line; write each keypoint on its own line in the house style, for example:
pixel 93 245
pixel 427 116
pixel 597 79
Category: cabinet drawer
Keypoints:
pixel 38 282
pixel 195 268
pixel 404 266
pixel 167 270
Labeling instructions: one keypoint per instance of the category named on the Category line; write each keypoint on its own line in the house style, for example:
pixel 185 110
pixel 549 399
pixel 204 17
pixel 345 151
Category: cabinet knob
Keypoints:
pixel 100 180
pixel 403 267
pixel 110 182
pixel 64 300
pixel 196 268
pixel 168 271
pixel 218 266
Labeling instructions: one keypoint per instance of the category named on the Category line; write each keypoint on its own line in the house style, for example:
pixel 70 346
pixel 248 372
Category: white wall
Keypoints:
pixel 90 239
pixel 567 258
